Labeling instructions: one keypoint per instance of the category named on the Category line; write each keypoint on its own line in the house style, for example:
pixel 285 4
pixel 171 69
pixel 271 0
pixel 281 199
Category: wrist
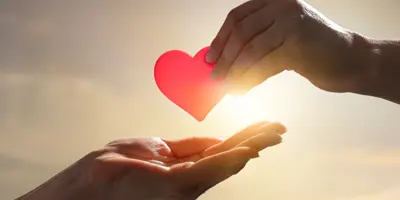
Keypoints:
pixel 366 57
pixel 69 184
pixel 56 188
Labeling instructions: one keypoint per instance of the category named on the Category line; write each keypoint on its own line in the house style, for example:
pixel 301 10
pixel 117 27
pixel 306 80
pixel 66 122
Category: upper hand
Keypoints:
pixel 153 168
pixel 262 38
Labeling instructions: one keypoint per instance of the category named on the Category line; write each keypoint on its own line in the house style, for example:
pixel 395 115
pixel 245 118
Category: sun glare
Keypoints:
pixel 243 109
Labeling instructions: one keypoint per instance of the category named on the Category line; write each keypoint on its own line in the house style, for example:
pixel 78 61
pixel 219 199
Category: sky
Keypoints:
pixel 75 75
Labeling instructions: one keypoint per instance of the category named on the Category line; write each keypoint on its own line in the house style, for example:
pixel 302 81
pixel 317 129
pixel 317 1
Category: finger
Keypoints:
pixel 259 59
pixel 262 141
pixel 234 16
pixel 254 76
pixel 254 51
pixel 214 169
pixel 242 34
pixel 270 136
pixel 247 30
pixel 236 139
pixel 190 146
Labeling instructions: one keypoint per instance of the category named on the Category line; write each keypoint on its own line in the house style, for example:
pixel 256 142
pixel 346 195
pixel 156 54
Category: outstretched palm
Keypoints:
pixel 184 169
pixel 152 168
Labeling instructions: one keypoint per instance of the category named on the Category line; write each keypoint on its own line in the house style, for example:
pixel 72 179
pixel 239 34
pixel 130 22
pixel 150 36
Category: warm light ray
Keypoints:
pixel 243 109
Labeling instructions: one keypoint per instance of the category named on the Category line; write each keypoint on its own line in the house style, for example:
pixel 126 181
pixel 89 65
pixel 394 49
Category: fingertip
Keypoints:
pixel 211 57
pixel 281 128
pixel 213 52
pixel 276 127
pixel 262 141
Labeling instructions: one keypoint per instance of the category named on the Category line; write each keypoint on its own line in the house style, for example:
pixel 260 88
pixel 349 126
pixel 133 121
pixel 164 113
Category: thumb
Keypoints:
pixel 214 169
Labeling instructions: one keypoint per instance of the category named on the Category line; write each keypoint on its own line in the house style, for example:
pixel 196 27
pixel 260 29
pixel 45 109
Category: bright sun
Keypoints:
pixel 243 109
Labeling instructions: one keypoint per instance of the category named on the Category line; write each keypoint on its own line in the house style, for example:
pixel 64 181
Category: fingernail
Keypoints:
pixel 210 57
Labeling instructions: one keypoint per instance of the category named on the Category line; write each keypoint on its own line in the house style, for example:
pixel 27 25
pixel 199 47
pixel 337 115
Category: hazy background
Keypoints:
pixel 75 75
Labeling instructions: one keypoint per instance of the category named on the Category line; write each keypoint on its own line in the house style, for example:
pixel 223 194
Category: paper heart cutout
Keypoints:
pixel 187 82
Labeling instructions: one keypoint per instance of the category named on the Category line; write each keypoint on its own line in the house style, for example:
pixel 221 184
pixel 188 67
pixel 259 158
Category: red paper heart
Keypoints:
pixel 186 81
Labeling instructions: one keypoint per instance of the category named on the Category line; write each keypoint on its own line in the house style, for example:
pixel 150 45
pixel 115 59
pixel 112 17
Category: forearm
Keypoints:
pixel 381 59
pixel 72 183
pixel 55 188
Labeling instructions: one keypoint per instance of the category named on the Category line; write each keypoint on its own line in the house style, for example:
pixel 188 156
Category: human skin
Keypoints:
pixel 262 38
pixel 153 168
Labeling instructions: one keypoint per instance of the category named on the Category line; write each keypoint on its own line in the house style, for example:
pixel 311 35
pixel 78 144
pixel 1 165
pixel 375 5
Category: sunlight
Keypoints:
pixel 243 109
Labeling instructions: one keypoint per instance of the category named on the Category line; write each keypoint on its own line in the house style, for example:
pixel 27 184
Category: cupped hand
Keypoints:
pixel 262 38
pixel 153 168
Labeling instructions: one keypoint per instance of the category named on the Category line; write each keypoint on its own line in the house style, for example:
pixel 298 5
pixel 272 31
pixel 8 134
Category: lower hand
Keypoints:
pixel 153 168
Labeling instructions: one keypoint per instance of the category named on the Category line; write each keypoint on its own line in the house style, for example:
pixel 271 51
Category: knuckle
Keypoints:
pixel 221 62
pixel 233 15
pixel 252 49
pixel 273 39
pixel 277 39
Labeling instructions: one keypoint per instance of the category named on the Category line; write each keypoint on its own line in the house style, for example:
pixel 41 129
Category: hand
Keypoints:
pixel 262 38
pixel 152 168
